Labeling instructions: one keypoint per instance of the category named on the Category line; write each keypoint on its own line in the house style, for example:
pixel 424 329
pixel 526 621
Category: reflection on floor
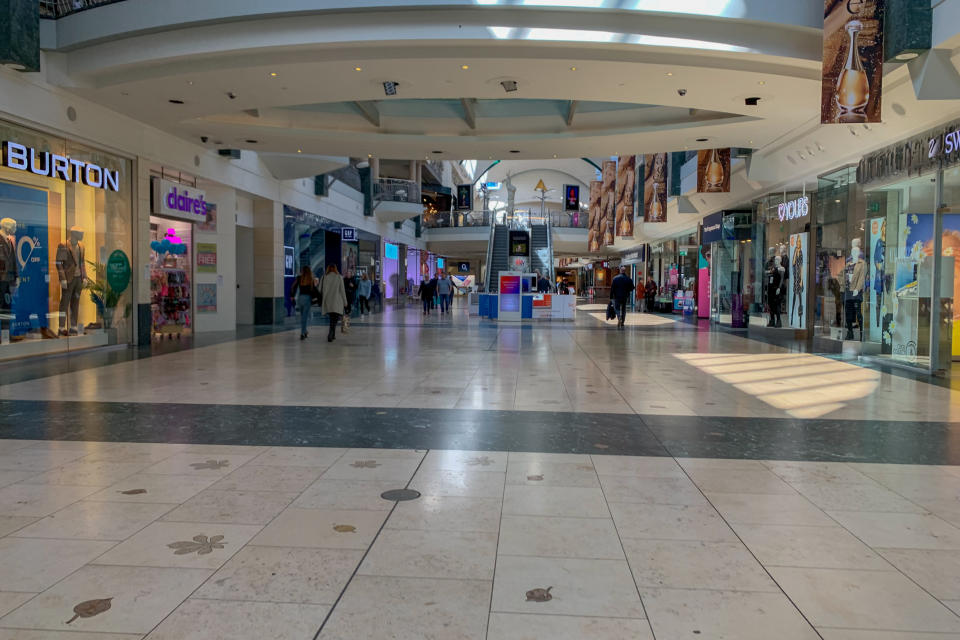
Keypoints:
pixel 193 542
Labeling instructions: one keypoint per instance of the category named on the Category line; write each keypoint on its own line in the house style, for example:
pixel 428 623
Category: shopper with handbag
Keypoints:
pixel 333 299
pixel 303 293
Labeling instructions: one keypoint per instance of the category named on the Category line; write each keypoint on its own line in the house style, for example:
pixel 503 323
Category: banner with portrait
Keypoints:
pixel 626 190
pixel 797 280
pixel 713 171
pixel 608 197
pixel 594 233
pixel 655 187
pixel 852 75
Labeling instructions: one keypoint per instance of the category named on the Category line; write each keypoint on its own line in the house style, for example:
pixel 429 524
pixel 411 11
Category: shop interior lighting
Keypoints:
pixel 358 68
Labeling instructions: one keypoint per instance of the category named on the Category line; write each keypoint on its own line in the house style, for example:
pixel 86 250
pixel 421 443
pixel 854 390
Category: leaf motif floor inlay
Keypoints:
pixel 200 545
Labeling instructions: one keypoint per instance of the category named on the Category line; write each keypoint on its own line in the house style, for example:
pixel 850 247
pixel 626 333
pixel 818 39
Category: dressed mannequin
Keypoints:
pixel 798 280
pixel 9 267
pixel 72 270
pixel 856 274
pixel 775 277
pixel 879 263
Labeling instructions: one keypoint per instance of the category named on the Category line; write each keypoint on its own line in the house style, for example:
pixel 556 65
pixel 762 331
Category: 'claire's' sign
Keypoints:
pixel 43 163
pixel 174 200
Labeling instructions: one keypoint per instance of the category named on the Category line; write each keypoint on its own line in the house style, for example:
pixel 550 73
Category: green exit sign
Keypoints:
pixel 683 252
pixel 874 207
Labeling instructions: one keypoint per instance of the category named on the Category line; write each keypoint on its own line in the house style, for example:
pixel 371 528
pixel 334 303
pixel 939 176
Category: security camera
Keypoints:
pixel 204 139
pixel 682 92
pixel 231 95
pixel 390 88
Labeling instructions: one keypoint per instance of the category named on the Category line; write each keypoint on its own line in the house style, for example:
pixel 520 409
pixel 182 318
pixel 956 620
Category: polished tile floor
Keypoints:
pixel 576 481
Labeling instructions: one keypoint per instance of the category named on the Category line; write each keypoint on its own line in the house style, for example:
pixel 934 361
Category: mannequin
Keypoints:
pixel 798 281
pixel 775 291
pixel 856 274
pixel 879 263
pixel 9 267
pixel 72 270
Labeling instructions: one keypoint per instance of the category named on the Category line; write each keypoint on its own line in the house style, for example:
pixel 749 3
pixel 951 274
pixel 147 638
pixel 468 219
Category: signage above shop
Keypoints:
pixel 794 209
pixel 928 151
pixel 712 228
pixel 43 163
pixel 349 234
pixel 174 200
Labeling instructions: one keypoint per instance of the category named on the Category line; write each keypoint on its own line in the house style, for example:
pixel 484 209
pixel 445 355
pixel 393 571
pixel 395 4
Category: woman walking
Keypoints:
pixel 303 293
pixel 333 299
pixel 363 293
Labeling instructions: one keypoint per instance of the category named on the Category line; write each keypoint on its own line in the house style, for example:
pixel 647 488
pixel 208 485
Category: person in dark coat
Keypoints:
pixel 620 290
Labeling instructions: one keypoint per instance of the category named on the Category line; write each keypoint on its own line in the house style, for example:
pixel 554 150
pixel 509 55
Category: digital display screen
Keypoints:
pixel 510 284
pixel 391 251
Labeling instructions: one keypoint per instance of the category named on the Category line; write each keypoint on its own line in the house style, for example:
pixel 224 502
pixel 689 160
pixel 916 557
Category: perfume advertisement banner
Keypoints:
pixel 594 235
pixel 852 61
pixel 655 187
pixel 713 171
pixel 608 202
pixel 626 188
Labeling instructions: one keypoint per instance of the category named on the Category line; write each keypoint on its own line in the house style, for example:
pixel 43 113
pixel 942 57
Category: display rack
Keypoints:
pixel 170 301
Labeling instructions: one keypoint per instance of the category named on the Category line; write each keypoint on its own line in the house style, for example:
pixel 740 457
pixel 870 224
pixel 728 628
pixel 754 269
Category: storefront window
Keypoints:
pixel 65 245
pixel 733 261
pixel 171 277
pixel 781 254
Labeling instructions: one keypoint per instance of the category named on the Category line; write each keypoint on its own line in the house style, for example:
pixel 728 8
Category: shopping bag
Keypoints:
pixel 611 311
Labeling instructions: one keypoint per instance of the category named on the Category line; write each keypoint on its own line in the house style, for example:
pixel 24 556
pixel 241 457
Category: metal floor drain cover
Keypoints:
pixel 400 495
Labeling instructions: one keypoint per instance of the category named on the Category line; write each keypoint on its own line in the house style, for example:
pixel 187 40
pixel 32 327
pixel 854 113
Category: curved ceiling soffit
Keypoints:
pixel 543 169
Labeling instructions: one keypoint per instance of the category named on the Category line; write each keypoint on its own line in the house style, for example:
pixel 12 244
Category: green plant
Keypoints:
pixel 103 296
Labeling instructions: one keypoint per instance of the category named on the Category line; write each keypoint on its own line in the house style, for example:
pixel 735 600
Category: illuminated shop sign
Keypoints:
pixel 794 209
pixel 174 200
pixel 43 163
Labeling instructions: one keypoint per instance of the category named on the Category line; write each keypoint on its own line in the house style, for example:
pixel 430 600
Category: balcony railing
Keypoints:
pixel 521 218
pixel 396 190
pixel 457 219
pixel 59 8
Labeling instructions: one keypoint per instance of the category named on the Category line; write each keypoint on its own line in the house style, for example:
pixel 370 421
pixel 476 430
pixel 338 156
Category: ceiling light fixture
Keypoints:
pixel 172 101
pixel 437 151
pixel 299 150
pixel 702 139
pixel 273 74
pixel 190 82
pixel 514 150
pixel 762 82
pixel 906 55
pixel 464 66
pixel 669 73
pixel 251 141
pixel 554 155
pixel 358 68
pixel 573 68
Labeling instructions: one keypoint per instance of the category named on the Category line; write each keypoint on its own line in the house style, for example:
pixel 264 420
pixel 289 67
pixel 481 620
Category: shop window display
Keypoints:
pixel 65 245
pixel 171 277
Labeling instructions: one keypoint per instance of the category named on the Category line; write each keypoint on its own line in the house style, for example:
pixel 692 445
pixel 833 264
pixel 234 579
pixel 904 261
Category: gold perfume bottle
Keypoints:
pixel 853 87
pixel 656 209
pixel 713 176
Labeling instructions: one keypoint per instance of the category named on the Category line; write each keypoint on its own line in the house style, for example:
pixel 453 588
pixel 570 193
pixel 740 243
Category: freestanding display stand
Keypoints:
pixel 509 305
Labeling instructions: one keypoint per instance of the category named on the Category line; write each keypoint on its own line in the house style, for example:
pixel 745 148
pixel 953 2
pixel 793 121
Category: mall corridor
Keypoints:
pixel 572 481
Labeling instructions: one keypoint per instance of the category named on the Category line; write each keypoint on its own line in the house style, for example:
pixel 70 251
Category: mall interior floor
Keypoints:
pixel 576 481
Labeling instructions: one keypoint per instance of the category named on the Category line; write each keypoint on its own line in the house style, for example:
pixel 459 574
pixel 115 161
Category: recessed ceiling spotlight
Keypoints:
pixel 749 141
pixel 369 155
pixel 762 82
pixel 464 66
pixel 554 155
pixel 299 150
pixel 669 73
pixel 173 101
pixel 436 151
pixel 514 150
pixel 251 141
pixel 190 82
pixel 358 68
pixel 702 139
pixel 837 200
pixel 273 74
pixel 906 55
pixel 573 68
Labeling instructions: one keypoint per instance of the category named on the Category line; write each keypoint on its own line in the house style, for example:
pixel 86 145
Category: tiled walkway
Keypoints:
pixel 577 482
pixel 186 542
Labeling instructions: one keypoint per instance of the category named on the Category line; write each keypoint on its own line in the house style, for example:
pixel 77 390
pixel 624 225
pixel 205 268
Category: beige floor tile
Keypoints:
pixel 640 466
pixel 559 537
pixel 577 502
pixel 744 508
pixel 528 626
pixel 159 488
pixel 10 524
pixel 670 522
pixel 320 528
pixel 432 554
pixel 38 461
pixel 549 458
pixel 855 497
pixel 817 547
pixel 141 598
pixel 579 587
pixel 465 460
pixel 150 547
pixel 10 477
pixel 316 458
pixel 861 634
pixel 447 513
pixel 899 530
pixel 32 634
pixel 704 464
pixel 283 574
pixel 9 446
pixel 411 608
pixel 237 507
pixel 345 495
pixel 10 600
pixel 677 564
pixel 88 474
pixel 680 614
pixel 199 619
pixel 39 500
pixel 212 464
pixel 651 490
pixel 353 466
pixel 561 474
pixel 224 450
pixel 756 481
pixel 936 570
pixel 464 484
pixel 268 478
pixel 835 472
pixel 864 600
pixel 96 521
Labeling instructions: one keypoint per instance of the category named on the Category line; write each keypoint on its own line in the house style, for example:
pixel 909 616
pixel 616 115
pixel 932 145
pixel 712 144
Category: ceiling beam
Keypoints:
pixel 469 111
pixel 368 109
pixel 571 110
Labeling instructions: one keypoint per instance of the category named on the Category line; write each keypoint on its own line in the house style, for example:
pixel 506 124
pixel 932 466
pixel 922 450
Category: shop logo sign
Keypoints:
pixel 794 209
pixel 183 201
pixel 174 200
pixel 53 165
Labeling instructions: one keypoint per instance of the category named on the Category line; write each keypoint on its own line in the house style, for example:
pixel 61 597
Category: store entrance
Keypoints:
pixel 171 278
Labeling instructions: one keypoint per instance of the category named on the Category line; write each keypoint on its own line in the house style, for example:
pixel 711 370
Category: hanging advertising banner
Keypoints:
pixel 655 187
pixel 876 284
pixel 571 198
pixel 626 190
pixel 608 195
pixel 797 282
pixel 852 61
pixel 464 197
pixel 713 171
pixel 594 235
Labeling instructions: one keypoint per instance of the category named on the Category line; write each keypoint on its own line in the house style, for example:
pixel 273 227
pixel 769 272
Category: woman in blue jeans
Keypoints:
pixel 303 293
